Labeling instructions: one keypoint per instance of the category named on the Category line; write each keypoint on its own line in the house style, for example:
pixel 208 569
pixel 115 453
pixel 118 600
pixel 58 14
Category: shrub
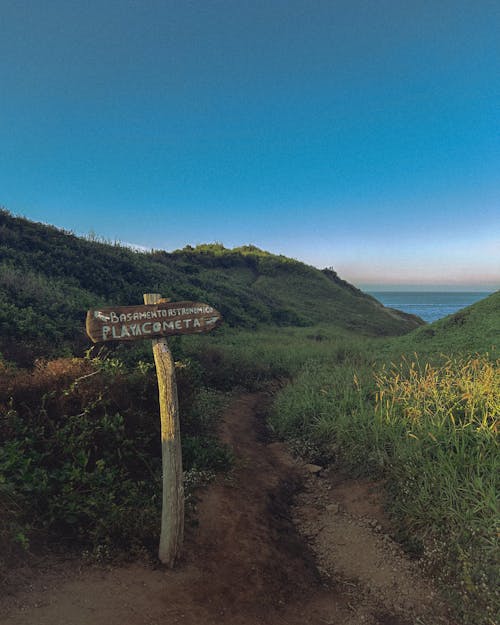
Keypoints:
pixel 81 449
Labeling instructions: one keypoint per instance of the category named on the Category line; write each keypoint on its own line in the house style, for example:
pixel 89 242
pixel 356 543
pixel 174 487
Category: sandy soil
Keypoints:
pixel 253 559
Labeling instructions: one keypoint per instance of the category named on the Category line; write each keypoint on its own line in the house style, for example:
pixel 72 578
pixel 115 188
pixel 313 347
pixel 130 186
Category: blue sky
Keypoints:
pixel 359 135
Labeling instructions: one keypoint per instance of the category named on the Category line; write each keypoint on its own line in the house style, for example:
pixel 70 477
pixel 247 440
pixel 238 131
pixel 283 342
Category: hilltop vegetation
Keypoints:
pixel 49 278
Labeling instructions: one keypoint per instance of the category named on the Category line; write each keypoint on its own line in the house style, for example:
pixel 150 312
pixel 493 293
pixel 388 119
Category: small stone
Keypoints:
pixel 333 507
pixel 314 469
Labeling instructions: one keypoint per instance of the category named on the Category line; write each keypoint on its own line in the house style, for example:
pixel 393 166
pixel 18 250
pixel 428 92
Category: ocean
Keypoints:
pixel 430 306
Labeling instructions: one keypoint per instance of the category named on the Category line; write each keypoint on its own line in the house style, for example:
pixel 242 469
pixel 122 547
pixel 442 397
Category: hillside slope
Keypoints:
pixel 472 329
pixel 50 277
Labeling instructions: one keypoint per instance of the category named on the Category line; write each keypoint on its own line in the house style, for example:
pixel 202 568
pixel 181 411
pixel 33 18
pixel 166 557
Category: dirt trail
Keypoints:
pixel 253 559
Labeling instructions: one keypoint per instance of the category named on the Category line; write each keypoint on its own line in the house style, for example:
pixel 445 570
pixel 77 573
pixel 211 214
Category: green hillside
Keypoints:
pixel 418 410
pixel 472 329
pixel 50 277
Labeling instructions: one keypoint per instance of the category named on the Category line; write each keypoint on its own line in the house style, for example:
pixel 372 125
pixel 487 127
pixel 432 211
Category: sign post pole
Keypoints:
pixel 172 511
pixel 155 320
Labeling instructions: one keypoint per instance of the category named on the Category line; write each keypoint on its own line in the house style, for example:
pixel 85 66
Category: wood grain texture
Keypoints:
pixel 172 517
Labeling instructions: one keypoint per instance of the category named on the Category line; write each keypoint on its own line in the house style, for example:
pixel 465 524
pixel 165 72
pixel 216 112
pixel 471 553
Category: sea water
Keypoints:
pixel 430 306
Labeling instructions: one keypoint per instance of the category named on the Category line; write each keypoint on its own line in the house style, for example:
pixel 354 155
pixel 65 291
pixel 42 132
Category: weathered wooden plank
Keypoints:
pixel 130 323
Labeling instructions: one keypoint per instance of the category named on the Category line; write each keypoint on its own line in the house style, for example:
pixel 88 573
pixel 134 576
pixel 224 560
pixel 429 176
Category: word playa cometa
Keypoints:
pixel 150 327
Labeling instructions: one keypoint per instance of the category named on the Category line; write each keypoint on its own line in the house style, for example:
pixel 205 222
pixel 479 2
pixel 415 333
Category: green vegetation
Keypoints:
pixel 473 329
pixel 430 433
pixel 423 422
pixel 80 458
pixel 80 454
pixel 428 426
pixel 49 278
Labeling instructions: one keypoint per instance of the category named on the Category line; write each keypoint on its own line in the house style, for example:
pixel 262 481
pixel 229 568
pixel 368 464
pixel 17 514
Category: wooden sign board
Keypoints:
pixel 130 323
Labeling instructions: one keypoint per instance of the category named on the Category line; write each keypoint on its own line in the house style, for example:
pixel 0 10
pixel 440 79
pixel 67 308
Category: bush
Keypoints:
pixel 81 449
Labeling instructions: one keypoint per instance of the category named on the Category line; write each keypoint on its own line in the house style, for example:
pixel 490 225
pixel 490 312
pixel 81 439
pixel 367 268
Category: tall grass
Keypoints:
pixel 252 359
pixel 440 428
pixel 431 432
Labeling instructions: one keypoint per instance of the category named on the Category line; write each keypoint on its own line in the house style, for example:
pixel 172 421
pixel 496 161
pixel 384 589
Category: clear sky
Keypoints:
pixel 359 135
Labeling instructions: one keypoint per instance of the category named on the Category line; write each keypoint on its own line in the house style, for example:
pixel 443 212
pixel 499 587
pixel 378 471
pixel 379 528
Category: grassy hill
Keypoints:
pixel 427 425
pixel 472 329
pixel 50 277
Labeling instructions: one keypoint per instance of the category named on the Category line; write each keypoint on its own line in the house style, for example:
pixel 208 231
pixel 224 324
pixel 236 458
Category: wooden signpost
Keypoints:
pixel 156 319
pixel 159 317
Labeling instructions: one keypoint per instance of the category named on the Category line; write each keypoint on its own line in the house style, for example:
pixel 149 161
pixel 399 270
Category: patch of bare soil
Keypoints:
pixel 344 523
pixel 247 562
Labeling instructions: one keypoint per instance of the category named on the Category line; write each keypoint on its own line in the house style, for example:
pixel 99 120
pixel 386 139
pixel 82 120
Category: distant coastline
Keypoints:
pixel 429 305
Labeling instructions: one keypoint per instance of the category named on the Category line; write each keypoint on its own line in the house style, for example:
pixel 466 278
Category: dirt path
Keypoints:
pixel 250 561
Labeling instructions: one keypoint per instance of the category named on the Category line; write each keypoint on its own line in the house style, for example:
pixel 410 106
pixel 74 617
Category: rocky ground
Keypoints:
pixel 344 523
